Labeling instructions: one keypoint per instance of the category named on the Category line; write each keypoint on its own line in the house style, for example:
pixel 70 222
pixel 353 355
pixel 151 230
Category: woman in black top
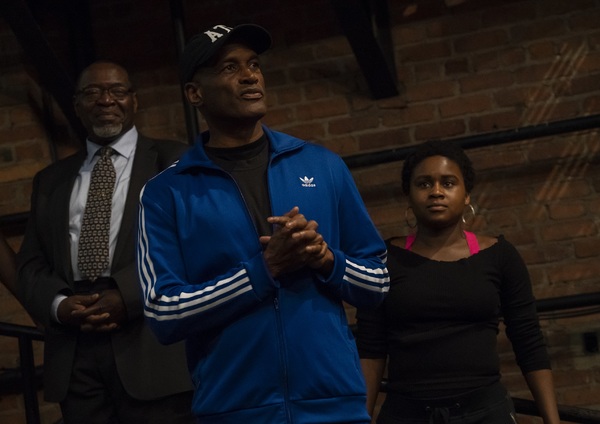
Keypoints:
pixel 439 323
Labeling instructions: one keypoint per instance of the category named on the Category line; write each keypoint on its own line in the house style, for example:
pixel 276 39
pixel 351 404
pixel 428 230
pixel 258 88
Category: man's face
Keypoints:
pixel 232 88
pixel 104 102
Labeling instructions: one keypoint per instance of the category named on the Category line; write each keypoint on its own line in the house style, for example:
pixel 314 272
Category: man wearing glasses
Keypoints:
pixel 77 272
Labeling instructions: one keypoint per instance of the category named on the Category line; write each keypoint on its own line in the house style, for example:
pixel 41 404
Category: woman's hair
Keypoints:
pixel 438 148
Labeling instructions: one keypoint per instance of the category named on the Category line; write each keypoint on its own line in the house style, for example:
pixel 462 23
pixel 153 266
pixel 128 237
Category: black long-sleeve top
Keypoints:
pixel 439 322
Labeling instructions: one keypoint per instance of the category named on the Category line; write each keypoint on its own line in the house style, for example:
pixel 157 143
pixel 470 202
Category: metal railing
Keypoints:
pixel 585 304
pixel 27 379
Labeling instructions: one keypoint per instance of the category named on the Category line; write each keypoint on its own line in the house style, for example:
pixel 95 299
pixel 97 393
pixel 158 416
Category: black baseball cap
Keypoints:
pixel 203 46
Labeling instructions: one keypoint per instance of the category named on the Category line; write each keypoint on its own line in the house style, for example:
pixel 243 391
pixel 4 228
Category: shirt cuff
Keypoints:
pixel 54 311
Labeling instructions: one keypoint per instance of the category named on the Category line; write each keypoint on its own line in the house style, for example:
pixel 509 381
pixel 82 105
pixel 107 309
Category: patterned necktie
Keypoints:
pixel 93 254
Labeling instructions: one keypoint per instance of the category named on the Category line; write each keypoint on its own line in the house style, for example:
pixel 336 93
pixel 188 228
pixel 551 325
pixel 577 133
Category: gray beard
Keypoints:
pixel 108 131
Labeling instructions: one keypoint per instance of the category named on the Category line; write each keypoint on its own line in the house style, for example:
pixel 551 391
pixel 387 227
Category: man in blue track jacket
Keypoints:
pixel 247 248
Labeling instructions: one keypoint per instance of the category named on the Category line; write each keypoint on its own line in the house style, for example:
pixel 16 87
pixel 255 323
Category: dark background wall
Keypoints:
pixel 478 67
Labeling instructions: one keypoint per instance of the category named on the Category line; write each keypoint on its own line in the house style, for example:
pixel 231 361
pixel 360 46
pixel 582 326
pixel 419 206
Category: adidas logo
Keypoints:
pixel 307 182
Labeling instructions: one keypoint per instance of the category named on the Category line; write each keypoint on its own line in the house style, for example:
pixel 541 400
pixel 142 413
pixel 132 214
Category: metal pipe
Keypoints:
pixel 568 302
pixel 191 119
pixel 32 410
pixel 481 140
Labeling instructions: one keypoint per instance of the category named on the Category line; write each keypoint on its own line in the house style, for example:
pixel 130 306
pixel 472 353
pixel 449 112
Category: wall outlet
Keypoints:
pixel 590 342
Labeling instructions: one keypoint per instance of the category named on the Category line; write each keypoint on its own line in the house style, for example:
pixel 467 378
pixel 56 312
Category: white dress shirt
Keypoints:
pixel 124 148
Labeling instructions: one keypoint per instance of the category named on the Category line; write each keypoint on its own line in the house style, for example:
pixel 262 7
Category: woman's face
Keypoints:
pixel 437 192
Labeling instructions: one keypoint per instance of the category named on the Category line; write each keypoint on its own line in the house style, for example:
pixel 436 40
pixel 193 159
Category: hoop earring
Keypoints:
pixel 472 213
pixel 406 218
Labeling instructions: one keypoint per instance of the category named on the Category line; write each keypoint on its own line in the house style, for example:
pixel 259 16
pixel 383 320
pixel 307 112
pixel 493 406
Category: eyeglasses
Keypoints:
pixel 92 94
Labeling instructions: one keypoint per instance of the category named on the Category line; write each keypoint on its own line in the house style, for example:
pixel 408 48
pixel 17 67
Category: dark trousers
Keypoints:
pixel 488 405
pixel 96 395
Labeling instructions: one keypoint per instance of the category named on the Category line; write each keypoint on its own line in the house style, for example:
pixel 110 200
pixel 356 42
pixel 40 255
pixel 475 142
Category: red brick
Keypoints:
pixel 523 11
pixel 4 121
pixel 583 21
pixel 385 214
pixel 316 91
pixel 453 25
pixel 582 396
pixel 523 96
pixel 286 95
pixel 481 41
pixel 425 51
pixel 589 63
pixel 427 71
pixel 502 219
pixel 396 102
pixel 279 116
pixel 334 47
pixel 560 7
pixel 7 156
pixel 403 35
pixel 540 28
pixel 25 132
pixel 445 129
pixel 152 117
pixel 360 104
pixel 274 78
pixel 22 115
pixel 350 124
pixel 510 57
pixel 585 248
pixel 560 211
pixel 495 121
pixel 591 105
pixel 568 230
pixel 556 252
pixel 322 109
pixel 556 111
pixel 564 190
pixel 465 105
pixel 492 80
pixel 385 174
pixel 308 131
pixel 544 49
pixel 386 138
pixel 159 96
pixel 502 199
pixel 342 145
pixel 552 150
pixel 536 74
pixel 456 67
pixel 424 112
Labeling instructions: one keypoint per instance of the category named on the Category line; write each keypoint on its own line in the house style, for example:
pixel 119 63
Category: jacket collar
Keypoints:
pixel 196 157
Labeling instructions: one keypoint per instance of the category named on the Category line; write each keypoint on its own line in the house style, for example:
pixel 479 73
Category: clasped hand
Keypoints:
pixel 101 312
pixel 295 243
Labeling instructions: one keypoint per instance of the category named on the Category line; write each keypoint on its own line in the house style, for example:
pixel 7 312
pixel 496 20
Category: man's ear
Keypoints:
pixel 193 93
pixel 135 102
pixel 76 105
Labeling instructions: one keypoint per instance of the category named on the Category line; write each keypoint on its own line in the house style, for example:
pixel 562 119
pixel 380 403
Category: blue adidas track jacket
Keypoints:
pixel 260 350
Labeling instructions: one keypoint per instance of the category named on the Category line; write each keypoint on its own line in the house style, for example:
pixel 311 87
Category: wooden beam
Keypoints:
pixel 52 75
pixel 377 68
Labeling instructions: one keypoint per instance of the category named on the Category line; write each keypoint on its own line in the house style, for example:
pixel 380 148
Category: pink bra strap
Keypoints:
pixel 471 242
pixel 410 239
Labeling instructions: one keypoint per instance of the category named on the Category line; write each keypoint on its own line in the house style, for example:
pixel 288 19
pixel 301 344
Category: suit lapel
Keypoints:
pixel 144 167
pixel 62 192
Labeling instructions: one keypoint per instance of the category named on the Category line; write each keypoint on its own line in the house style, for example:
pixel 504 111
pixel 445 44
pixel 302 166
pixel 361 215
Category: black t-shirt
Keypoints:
pixel 248 166
pixel 439 322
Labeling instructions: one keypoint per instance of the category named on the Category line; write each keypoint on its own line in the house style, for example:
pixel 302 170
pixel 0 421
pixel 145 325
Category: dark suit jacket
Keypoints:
pixel 147 369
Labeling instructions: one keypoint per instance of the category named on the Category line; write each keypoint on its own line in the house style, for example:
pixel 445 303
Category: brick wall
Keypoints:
pixel 480 67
